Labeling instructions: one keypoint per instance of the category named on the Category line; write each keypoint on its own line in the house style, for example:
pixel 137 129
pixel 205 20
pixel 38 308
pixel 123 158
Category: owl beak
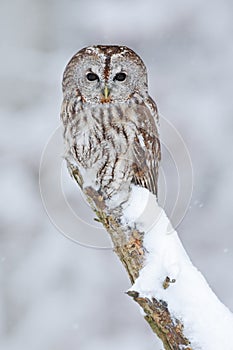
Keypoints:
pixel 106 92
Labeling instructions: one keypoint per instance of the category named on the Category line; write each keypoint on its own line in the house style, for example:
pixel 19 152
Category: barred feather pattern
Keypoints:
pixel 110 122
pixel 112 144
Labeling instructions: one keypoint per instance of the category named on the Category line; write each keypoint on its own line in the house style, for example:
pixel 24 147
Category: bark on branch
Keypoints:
pixel 128 245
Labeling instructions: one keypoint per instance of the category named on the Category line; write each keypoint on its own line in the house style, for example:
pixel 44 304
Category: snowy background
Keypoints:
pixel 55 294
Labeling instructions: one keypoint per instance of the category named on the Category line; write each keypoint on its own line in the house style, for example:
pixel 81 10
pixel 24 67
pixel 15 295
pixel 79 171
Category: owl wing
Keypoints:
pixel 146 152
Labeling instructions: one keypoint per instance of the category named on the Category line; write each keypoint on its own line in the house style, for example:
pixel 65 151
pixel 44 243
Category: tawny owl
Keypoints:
pixel 110 121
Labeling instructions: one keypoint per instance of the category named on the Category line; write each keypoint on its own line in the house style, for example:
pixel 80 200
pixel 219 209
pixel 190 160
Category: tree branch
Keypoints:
pixel 178 304
pixel 128 245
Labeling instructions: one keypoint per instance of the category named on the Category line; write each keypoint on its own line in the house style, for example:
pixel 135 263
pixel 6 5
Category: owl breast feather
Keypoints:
pixel 109 144
pixel 100 143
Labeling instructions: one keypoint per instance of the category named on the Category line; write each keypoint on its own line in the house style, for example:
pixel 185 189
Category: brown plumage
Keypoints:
pixel 110 122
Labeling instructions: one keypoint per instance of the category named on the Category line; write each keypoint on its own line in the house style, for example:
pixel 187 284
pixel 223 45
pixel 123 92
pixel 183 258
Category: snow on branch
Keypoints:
pixel 176 300
pixel 169 276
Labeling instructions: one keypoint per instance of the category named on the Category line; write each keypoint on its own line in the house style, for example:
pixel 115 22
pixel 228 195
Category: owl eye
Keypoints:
pixel 92 76
pixel 120 76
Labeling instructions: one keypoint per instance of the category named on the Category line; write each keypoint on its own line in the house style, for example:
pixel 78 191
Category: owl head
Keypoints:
pixel 103 74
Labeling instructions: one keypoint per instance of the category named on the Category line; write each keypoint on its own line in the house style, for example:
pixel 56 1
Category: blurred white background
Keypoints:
pixel 55 294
